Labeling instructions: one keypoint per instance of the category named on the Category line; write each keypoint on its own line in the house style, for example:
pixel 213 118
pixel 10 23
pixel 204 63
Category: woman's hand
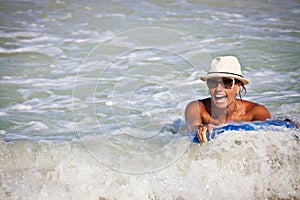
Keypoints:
pixel 201 132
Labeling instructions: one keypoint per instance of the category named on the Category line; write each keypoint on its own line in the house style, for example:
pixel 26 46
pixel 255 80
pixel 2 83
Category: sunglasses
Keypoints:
pixel 226 83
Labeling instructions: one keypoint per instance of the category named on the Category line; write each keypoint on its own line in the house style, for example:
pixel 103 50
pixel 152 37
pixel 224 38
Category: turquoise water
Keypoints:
pixel 89 91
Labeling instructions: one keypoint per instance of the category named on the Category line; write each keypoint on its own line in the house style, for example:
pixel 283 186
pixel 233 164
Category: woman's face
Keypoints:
pixel 223 91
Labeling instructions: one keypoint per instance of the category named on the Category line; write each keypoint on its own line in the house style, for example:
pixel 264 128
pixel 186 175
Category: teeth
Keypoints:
pixel 220 96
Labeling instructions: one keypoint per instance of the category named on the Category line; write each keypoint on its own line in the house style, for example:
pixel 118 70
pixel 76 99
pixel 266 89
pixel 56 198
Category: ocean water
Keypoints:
pixel 92 99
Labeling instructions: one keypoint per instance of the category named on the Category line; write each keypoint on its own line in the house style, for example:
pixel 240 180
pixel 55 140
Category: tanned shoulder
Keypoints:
pixel 257 111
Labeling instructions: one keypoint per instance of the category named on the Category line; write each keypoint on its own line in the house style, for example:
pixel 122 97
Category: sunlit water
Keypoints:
pixel 93 92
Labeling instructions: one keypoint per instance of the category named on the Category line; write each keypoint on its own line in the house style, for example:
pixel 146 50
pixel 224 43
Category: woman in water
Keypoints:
pixel 224 81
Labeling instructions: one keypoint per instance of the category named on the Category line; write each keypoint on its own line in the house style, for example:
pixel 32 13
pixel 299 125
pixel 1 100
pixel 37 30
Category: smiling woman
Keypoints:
pixel 224 81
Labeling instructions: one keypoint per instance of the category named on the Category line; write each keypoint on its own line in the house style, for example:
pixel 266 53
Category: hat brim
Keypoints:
pixel 216 75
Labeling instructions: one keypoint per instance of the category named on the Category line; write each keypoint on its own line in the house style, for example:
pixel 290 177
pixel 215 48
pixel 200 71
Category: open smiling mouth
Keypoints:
pixel 220 98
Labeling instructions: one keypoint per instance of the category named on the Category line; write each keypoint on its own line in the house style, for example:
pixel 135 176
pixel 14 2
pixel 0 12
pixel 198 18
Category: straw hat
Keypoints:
pixel 225 66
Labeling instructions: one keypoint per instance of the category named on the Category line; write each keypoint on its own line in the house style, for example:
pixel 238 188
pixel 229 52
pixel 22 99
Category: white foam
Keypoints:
pixel 36 125
pixel 253 164
pixel 2 114
pixel 19 107
pixel 109 103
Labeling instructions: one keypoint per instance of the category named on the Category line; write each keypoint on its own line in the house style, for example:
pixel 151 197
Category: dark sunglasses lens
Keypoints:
pixel 228 83
pixel 211 83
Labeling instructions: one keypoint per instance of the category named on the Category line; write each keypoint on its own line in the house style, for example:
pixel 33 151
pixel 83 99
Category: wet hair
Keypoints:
pixel 243 87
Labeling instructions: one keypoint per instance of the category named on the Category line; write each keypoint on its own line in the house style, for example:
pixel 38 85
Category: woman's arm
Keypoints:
pixel 193 116
pixel 194 113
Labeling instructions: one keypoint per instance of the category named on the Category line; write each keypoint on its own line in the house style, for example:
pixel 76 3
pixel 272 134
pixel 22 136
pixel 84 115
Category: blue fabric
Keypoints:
pixel 248 126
